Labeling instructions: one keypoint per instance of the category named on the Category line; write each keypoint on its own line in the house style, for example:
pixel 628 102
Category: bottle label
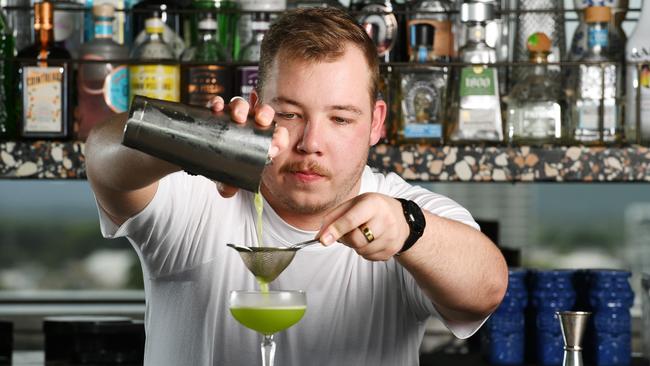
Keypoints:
pixel 248 77
pixel 598 37
pixel 205 82
pixel 116 89
pixel 413 131
pixel 477 80
pixel 155 81
pixel 43 99
pixel 103 29
pixel 588 116
pixel 474 121
pixel 420 107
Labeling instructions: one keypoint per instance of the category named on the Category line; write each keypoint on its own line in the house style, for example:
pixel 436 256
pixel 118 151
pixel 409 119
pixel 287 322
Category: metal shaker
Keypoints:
pixel 199 141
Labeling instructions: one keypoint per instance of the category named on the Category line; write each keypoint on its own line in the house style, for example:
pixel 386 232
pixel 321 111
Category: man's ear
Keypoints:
pixel 253 99
pixel 377 123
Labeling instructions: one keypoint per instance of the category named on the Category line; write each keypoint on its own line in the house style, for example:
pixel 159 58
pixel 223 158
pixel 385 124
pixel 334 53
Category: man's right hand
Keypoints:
pixel 239 110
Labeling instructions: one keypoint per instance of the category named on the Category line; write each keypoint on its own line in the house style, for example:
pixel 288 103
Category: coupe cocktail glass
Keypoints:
pixel 268 313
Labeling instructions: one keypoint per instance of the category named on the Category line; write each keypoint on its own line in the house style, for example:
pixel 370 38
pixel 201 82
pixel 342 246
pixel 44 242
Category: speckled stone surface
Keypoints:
pixel 42 160
pixel 65 160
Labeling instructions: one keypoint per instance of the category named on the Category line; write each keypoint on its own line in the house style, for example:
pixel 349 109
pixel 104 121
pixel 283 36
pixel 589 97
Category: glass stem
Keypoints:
pixel 268 350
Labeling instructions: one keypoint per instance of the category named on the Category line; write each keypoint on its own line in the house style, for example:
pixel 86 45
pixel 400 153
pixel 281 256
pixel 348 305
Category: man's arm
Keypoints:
pixel 124 180
pixel 460 269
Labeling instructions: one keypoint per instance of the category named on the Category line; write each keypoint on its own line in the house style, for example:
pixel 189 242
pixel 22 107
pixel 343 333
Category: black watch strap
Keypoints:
pixel 415 220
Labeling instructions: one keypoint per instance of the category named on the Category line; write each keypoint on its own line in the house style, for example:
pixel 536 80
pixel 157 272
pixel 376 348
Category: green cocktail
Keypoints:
pixel 268 313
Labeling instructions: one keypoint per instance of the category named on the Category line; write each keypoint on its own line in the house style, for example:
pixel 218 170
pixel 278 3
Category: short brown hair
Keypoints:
pixel 316 34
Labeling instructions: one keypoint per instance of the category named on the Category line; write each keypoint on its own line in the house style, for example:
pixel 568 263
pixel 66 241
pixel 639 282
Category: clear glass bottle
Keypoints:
pixel 7 50
pixel 151 79
pixel 250 10
pixel 596 113
pixel 379 21
pixel 247 75
pixel 43 79
pixel 531 21
pixel 20 22
pixel 68 25
pixel 103 88
pixel 535 106
pixel 617 37
pixel 203 79
pixel 638 80
pixel 422 89
pixel 174 28
pixel 476 108
pixel 121 22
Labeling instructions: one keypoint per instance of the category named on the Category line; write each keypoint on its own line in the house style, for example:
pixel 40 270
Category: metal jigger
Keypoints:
pixel 573 324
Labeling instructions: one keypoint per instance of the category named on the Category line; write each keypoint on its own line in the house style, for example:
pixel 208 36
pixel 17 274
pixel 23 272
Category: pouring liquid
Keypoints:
pixel 259 207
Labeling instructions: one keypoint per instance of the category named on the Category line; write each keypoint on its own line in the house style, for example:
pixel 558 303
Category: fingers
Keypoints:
pixel 239 109
pixel 345 218
pixel 216 104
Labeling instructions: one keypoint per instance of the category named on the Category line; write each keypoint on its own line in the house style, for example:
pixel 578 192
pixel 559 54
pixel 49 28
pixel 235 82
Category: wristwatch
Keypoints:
pixel 416 221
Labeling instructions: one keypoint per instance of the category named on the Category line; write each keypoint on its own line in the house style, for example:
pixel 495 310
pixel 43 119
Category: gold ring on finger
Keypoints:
pixel 365 230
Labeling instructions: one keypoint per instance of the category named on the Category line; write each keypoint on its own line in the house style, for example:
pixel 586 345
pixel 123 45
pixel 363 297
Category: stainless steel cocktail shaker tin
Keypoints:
pixel 199 141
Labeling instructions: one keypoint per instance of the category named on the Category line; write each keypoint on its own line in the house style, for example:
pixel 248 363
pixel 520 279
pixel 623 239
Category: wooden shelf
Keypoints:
pixel 65 160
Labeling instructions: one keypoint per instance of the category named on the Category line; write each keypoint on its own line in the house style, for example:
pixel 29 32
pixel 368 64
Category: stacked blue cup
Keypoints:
pixel 611 298
pixel 552 291
pixel 502 336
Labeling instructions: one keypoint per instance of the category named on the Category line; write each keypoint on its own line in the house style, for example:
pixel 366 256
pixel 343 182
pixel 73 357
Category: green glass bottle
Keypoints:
pixel 227 17
pixel 7 51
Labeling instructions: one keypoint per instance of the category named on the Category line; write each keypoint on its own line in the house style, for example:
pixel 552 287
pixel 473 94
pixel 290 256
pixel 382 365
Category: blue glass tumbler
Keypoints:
pixel 552 291
pixel 503 334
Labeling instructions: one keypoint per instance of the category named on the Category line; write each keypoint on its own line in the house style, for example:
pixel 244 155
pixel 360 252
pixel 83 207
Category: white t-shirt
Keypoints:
pixel 359 312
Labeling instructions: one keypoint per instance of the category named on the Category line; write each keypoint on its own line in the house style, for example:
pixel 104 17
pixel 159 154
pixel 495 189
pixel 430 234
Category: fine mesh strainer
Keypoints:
pixel 265 263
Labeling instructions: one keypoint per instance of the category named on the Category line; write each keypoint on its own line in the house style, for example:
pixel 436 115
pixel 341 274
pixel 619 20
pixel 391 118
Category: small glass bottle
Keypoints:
pixel 535 106
pixel 596 113
pixel 203 79
pixel 637 113
pixel 44 81
pixel 247 75
pixel 477 108
pixel 103 88
pixel 151 79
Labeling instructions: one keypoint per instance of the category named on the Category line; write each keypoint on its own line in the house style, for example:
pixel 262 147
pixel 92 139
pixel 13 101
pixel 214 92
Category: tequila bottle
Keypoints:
pixel 535 109
pixel 422 89
pixel 203 79
pixel 379 21
pixel 596 109
pixel 154 79
pixel 435 14
pixel 617 37
pixel 103 88
pixel 638 80
pixel 43 81
pixel 477 108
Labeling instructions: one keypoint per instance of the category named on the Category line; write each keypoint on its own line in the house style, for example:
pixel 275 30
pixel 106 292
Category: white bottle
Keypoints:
pixel 638 50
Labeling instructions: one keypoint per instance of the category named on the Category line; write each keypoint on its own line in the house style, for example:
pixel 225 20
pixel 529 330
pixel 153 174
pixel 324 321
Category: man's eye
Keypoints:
pixel 341 120
pixel 288 115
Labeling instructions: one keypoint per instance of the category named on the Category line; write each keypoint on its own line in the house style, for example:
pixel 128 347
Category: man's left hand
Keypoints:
pixel 379 215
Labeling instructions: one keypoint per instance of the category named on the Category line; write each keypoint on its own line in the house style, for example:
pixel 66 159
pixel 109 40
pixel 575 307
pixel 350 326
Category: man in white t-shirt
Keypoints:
pixel 392 255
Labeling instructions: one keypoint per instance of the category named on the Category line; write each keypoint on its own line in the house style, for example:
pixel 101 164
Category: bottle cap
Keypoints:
pixel 208 24
pixel 37 16
pixel 598 14
pixel 539 42
pixel 104 10
pixel 476 12
pixel 47 15
pixel 154 25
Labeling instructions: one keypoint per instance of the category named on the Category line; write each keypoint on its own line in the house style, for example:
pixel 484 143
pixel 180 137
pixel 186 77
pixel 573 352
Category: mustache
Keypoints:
pixel 307 165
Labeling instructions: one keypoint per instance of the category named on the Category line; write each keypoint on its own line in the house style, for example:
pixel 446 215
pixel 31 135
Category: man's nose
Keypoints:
pixel 311 139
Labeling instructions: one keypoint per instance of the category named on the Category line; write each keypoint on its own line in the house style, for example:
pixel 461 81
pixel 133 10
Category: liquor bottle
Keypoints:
pixel 422 89
pixel 379 21
pixel 7 49
pixel 596 108
pixel 103 88
pixel 638 80
pixel 247 75
pixel 202 82
pixel 173 25
pixel 151 79
pixel 531 20
pixel 477 109
pixel 43 77
pixel 617 37
pixel 20 22
pixel 121 28
pixel 225 12
pixel 68 25
pixel 435 14
pixel 535 106
pixel 250 9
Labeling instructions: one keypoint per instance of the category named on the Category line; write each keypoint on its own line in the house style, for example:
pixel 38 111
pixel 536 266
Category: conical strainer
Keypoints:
pixel 266 263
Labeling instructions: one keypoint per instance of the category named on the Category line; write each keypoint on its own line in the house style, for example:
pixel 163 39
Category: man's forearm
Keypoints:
pixel 459 268
pixel 117 167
